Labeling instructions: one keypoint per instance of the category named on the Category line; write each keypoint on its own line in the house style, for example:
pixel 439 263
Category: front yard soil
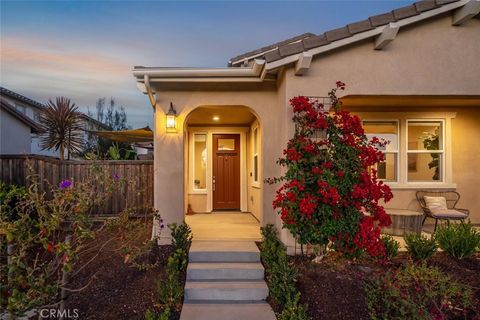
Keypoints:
pixel 117 289
pixel 335 288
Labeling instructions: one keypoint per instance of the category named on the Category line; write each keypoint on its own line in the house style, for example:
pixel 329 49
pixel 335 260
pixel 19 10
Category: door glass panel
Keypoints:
pixel 226 144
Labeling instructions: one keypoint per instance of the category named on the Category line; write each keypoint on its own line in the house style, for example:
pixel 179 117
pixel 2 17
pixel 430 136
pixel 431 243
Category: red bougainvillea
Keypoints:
pixel 330 192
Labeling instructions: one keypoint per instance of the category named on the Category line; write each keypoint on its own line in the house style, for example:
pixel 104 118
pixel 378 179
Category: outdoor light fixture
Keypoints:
pixel 171 123
pixel 216 118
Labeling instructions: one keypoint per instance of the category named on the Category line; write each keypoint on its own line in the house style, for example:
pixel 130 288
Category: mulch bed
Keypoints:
pixel 335 288
pixel 118 290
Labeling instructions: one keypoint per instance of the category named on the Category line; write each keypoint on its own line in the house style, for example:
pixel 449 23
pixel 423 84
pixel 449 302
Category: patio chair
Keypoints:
pixel 451 212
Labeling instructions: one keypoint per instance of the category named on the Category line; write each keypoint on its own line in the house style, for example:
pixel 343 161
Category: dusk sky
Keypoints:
pixel 86 49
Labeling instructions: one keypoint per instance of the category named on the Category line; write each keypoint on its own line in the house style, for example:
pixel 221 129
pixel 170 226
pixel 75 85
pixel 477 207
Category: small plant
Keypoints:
pixel 170 290
pixel 420 247
pixel 418 292
pixel 282 278
pixel 391 246
pixel 269 245
pixel 181 236
pixel 164 315
pixel 294 310
pixel 459 240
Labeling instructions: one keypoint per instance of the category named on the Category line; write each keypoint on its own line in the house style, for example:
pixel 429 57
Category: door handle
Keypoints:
pixel 213 183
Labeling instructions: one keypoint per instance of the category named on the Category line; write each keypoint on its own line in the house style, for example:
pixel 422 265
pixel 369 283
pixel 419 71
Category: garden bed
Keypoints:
pixel 335 288
pixel 118 290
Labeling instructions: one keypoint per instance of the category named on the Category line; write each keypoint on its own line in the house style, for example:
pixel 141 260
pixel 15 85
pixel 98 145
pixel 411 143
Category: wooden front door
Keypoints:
pixel 226 172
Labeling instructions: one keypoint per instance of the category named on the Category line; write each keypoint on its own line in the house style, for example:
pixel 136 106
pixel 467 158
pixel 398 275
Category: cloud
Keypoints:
pixel 43 71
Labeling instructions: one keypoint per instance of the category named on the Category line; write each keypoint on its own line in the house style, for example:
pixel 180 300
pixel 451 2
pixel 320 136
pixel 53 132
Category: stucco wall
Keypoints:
pixel 430 58
pixel 169 171
pixel 15 135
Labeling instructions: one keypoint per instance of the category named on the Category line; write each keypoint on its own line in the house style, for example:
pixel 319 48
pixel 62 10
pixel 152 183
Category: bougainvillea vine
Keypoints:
pixel 330 192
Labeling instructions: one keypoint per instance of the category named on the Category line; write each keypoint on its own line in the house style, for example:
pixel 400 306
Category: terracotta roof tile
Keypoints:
pixel 290 49
pixel 337 34
pixel 405 12
pixel 272 56
pixel 381 19
pixel 425 5
pixel 316 41
pixel 359 26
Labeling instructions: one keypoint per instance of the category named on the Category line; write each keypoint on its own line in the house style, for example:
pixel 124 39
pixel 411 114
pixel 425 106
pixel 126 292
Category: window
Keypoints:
pixel 255 155
pixel 387 130
pixel 200 161
pixel 36 116
pixel 226 144
pixel 20 108
pixel 425 150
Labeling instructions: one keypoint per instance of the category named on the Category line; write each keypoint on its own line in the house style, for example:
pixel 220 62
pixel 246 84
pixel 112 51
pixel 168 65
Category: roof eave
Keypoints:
pixel 365 35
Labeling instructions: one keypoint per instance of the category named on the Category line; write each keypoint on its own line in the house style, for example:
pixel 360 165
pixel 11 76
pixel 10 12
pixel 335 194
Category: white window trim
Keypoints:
pixel 441 151
pixel 396 152
pixel 402 116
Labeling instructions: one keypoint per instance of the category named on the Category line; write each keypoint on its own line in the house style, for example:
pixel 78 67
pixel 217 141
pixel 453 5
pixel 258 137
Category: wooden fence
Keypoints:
pixel 136 175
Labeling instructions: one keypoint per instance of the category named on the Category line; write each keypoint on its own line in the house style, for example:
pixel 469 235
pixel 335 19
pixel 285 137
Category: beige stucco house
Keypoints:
pixel 412 74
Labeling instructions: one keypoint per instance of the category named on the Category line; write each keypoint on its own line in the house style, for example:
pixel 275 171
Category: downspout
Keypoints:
pixel 151 93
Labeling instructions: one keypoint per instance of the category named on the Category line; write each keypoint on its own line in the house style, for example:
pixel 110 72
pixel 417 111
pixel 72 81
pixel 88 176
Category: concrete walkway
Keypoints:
pixel 224 226
pixel 225 281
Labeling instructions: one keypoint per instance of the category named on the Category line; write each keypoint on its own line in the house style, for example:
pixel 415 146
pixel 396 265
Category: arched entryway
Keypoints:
pixel 223 189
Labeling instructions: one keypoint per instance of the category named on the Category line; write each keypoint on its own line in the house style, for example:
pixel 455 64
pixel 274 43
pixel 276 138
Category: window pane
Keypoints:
pixel 386 130
pixel 425 166
pixel 200 161
pixel 425 135
pixel 387 170
pixel 226 144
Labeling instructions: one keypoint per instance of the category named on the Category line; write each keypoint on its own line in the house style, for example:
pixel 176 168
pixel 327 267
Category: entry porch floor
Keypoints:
pixel 224 226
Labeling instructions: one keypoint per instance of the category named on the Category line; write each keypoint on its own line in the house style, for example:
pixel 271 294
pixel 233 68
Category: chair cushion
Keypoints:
pixel 448 213
pixel 434 203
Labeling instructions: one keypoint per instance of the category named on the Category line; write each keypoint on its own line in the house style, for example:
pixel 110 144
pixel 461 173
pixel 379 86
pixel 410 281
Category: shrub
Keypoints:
pixel 459 240
pixel 391 246
pixel 269 246
pixel 181 236
pixel 282 278
pixel 10 196
pixel 328 183
pixel 170 290
pixel 420 247
pixel 418 292
pixel 294 310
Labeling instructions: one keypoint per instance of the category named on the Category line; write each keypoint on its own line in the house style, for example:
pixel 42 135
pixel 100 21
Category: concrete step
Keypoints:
pixel 227 311
pixel 225 271
pixel 225 290
pixel 224 251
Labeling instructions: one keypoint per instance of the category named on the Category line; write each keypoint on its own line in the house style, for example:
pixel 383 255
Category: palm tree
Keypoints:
pixel 61 127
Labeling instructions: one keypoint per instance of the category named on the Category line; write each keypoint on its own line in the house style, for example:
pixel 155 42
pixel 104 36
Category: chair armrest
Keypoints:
pixel 427 211
pixel 466 211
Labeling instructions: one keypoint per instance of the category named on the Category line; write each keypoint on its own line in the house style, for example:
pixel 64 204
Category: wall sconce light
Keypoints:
pixel 171 122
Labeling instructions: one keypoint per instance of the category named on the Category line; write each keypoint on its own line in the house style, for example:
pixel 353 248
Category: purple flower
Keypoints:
pixel 116 177
pixel 65 184
pixel 162 226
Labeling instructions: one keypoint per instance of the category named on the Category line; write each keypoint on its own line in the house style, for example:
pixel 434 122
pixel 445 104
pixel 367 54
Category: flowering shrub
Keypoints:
pixel 44 237
pixel 330 190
